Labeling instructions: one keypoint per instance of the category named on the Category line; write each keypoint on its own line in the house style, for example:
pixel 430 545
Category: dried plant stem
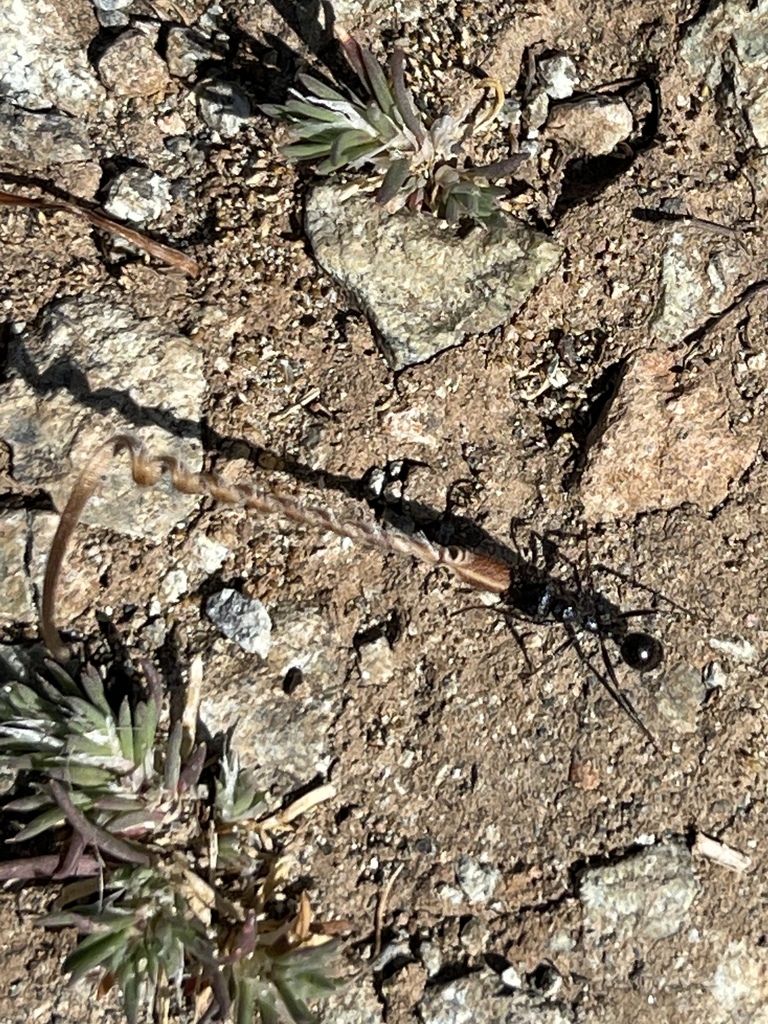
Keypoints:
pixel 477 570
pixel 172 257
pixel 381 908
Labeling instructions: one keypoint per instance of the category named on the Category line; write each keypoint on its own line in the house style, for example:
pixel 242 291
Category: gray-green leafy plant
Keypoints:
pixel 412 163
pixel 172 884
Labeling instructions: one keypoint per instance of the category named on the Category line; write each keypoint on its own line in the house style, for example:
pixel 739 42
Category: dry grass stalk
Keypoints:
pixel 165 253
pixel 477 570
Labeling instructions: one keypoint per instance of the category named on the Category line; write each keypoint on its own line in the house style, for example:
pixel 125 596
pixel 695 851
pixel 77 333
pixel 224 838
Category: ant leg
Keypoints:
pixel 507 616
pixel 611 684
pixel 637 612
pixel 658 594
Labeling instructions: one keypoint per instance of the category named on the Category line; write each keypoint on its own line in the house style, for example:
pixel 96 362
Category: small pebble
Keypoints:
pixel 511 978
pixel 714 675
pixel 739 650
pixel 681 695
pixel 242 619
pixel 138 195
pixel 130 66
pixel 375 662
pixel 558 75
pixel 112 13
pixel 474 936
pixel 222 106
pixel 477 881
pixel 185 50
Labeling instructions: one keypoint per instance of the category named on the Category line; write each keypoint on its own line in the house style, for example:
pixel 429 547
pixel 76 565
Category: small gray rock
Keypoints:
pixel 357 1003
pixel 375 662
pixel 726 48
pixel 681 695
pixel 138 195
pixel 33 141
pixel 222 106
pixel 477 881
pixel 558 75
pixel 113 13
pixel 595 125
pixel 647 896
pixel 474 936
pixel 243 619
pixel 738 649
pixel 16 595
pixel 714 676
pixel 422 285
pixel 100 362
pixel 288 735
pixel 185 49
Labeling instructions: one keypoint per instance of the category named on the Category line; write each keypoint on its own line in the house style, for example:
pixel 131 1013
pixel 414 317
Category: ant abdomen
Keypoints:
pixel 641 651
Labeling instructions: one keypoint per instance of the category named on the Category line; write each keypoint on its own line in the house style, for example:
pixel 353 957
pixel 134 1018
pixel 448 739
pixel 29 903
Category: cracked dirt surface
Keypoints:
pixel 457 750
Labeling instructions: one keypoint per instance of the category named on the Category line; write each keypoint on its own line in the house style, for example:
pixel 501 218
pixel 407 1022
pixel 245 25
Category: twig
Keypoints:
pixel 381 908
pixel 165 253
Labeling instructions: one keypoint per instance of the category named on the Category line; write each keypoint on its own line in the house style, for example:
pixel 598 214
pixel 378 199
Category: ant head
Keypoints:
pixel 641 651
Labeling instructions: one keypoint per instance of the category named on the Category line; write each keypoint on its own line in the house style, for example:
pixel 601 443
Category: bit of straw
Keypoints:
pixel 301 806
pixel 721 853
pixel 191 714
pixel 381 908
pixel 500 99
pixel 165 253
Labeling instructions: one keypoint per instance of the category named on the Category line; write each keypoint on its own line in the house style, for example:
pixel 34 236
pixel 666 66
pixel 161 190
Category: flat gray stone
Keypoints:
pixel 647 896
pixel 681 695
pixel 90 368
pixel 245 620
pixel 33 141
pixel 16 594
pixel 422 285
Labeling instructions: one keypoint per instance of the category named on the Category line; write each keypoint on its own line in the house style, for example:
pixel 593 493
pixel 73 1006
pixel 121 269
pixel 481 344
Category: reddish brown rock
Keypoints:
pixel 666 442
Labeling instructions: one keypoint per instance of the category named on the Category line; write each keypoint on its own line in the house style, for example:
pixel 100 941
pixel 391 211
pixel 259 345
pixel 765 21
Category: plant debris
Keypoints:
pixel 166 253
